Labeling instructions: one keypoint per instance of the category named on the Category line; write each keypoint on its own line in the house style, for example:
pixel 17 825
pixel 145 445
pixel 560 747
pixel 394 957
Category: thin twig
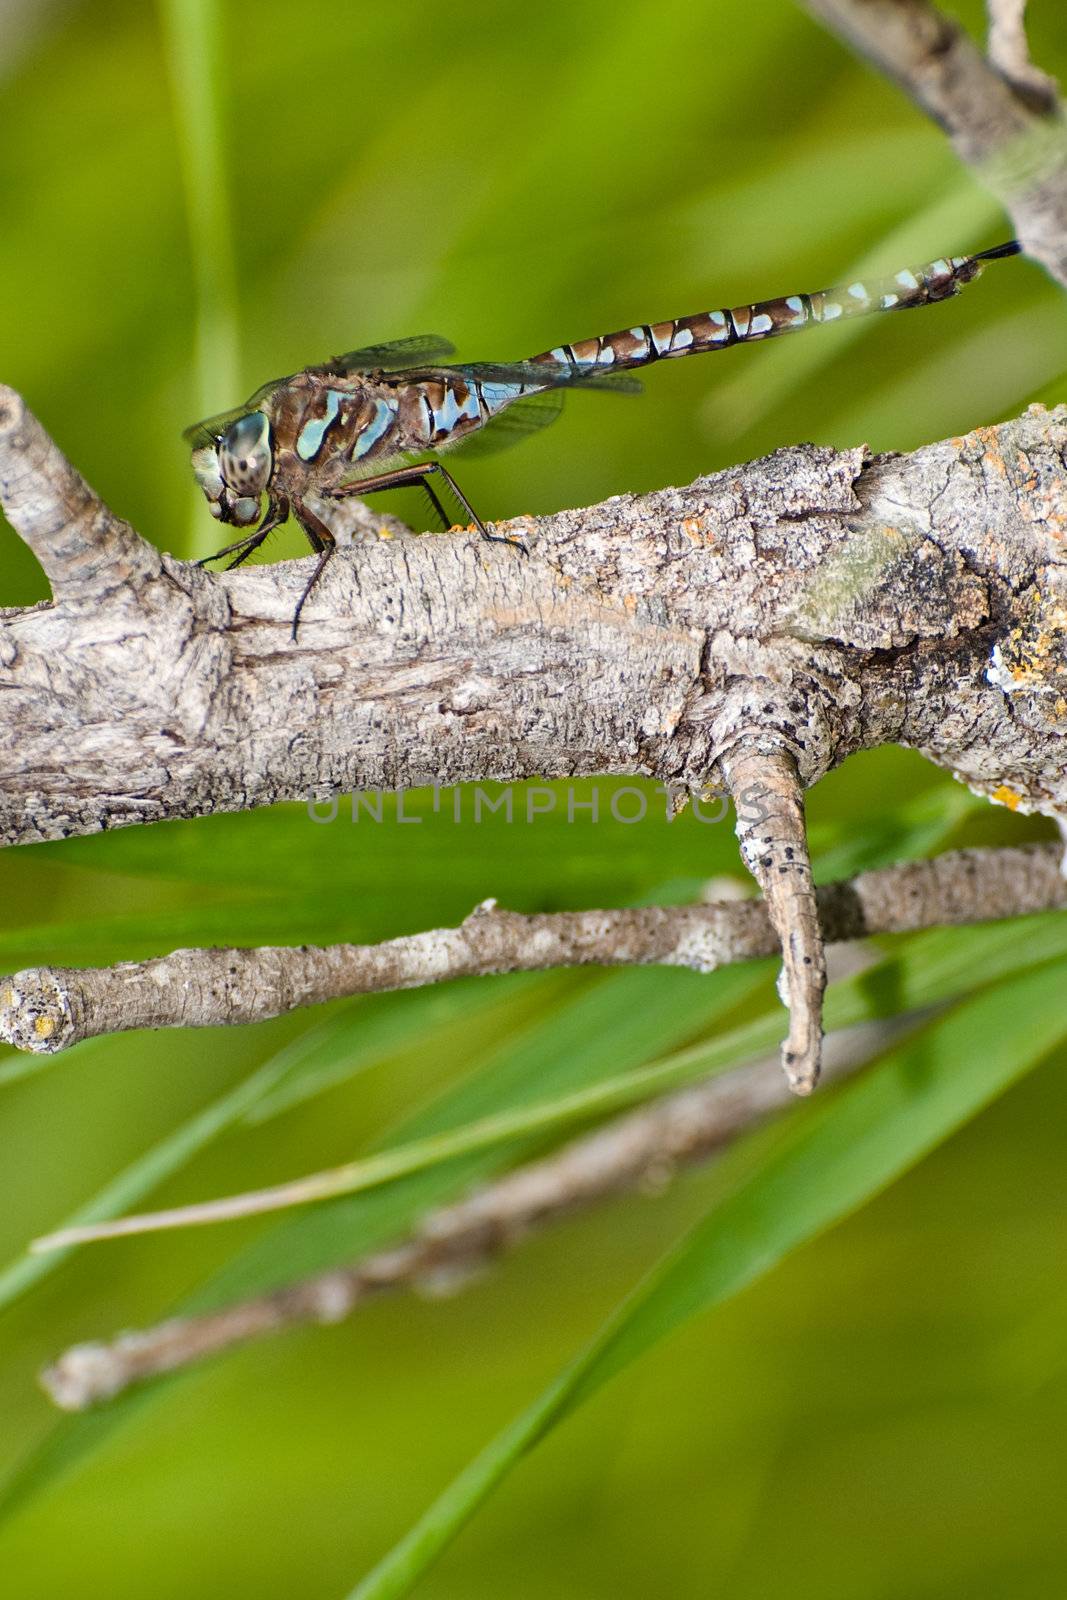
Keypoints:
pixel 640 1150
pixel 1009 51
pixel 769 803
pixel 958 887
pixel 48 1009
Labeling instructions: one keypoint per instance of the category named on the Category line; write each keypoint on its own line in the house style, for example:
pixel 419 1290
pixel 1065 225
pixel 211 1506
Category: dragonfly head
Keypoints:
pixel 235 470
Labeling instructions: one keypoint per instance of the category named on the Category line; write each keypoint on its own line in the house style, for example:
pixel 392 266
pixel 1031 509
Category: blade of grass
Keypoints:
pixel 828 1165
pixel 960 216
pixel 920 970
pixel 151 1169
pixel 169 1155
pixel 965 963
pixel 193 33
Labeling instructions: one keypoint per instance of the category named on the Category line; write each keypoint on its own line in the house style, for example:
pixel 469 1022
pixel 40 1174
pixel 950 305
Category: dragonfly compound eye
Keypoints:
pixel 245 511
pixel 245 455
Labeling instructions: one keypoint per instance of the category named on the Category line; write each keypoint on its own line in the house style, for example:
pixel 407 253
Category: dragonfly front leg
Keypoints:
pixel 277 511
pixel 419 473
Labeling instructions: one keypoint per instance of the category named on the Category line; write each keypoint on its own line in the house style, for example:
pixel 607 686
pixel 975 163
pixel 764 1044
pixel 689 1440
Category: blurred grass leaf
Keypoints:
pixel 195 35
pixel 827 1165
pixel 923 970
pixel 605 1025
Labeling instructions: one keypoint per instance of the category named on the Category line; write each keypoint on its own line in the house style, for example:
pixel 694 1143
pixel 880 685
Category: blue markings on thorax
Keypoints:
pixel 451 412
pixel 382 420
pixel 309 440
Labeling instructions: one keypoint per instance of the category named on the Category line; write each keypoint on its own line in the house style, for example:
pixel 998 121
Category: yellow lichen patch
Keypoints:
pixel 1006 797
pixel 630 602
pixel 385 533
pixel 992 457
pixel 44 1027
pixel 1035 655
pixel 693 528
pixel 8 997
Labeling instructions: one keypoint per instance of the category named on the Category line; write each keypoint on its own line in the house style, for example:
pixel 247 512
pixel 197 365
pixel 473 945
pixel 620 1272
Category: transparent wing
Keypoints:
pixel 392 357
pixel 212 428
pixel 548 373
pixel 522 417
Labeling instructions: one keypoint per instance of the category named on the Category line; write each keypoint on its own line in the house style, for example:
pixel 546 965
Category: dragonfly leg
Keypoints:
pixel 324 555
pixel 419 472
pixel 277 511
pixel 435 500
pixel 247 545
pixel 323 543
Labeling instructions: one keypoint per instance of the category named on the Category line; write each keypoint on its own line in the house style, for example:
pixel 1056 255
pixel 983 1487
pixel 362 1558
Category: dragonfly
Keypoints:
pixel 379 418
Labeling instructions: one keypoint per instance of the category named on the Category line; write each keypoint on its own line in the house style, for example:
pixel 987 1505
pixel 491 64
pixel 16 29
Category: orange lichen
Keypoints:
pixel 1006 797
pixel 991 454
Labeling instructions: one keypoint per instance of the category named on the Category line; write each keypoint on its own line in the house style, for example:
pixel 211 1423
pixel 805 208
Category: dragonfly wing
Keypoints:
pixel 532 412
pixel 523 417
pixel 420 349
pixel 212 428
pixel 552 376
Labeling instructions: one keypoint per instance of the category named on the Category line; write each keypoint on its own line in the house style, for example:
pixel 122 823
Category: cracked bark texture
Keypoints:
pixel 816 602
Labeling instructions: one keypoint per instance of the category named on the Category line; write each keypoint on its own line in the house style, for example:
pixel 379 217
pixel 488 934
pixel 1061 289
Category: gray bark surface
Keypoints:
pixel 814 603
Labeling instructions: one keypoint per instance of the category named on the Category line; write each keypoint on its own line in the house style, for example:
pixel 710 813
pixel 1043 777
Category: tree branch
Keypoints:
pixel 1004 119
pixel 1009 52
pixel 960 886
pixel 640 1148
pixel 816 602
pixel 753 629
pixel 48 1009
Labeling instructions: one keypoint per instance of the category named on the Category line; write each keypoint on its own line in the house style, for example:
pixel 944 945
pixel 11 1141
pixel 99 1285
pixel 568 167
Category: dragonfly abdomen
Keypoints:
pixel 765 319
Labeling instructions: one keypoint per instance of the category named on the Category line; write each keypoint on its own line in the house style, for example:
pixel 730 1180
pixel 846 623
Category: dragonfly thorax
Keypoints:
pixel 235 471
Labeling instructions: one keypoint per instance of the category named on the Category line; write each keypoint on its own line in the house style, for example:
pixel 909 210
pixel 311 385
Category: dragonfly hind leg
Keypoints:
pixel 419 473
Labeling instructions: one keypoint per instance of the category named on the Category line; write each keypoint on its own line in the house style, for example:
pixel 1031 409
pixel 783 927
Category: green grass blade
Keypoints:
pixel 194 36
pixel 836 1159
pixel 936 971
pixel 149 1170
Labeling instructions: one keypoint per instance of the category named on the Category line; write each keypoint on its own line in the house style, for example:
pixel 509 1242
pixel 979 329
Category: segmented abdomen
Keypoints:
pixel 714 330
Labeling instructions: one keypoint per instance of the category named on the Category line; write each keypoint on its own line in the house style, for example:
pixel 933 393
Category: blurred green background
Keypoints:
pixel 882 1414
